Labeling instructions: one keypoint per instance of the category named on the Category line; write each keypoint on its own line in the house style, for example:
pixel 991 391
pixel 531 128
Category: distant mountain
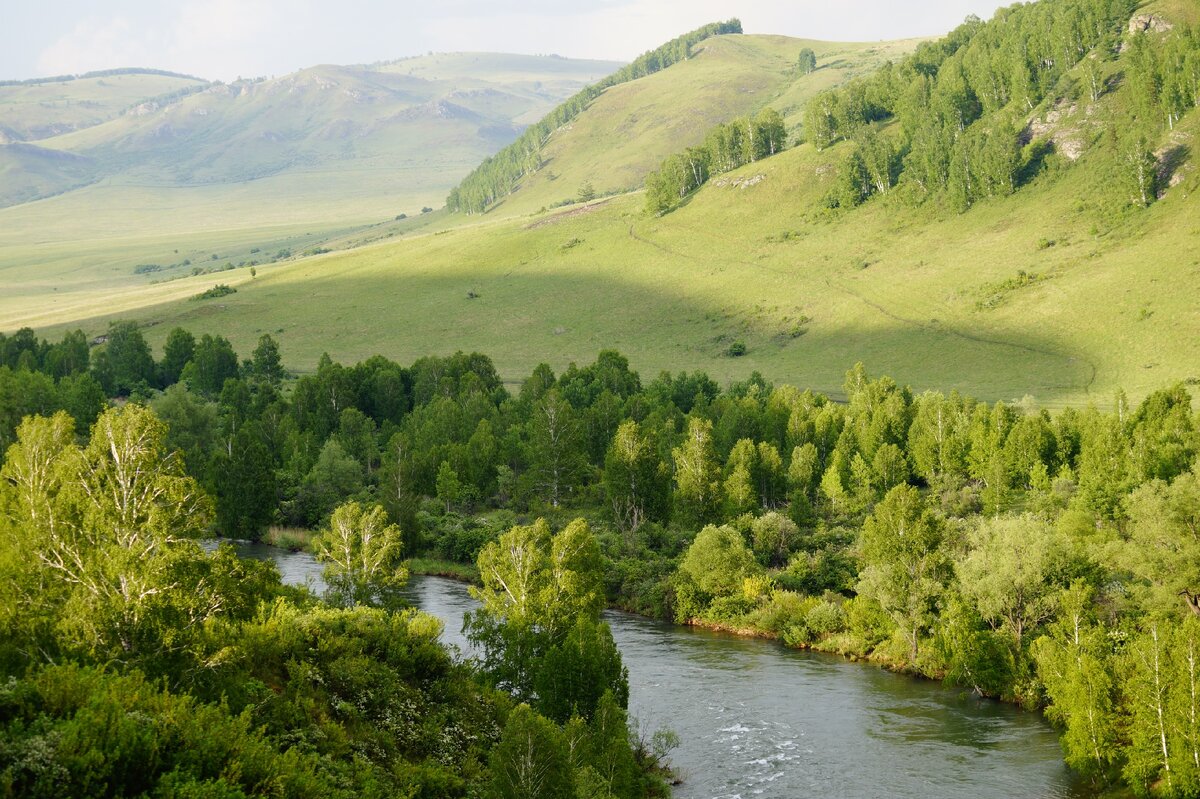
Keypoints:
pixel 427 119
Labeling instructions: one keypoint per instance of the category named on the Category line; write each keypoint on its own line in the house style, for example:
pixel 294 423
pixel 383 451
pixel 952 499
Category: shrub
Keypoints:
pixel 219 290
pixel 825 618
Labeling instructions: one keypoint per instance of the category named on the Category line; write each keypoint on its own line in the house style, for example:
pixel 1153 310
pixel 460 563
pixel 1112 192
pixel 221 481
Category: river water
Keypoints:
pixel 757 719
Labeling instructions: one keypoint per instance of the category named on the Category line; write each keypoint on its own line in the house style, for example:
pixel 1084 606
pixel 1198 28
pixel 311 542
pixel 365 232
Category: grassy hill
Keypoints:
pixel 42 108
pixel 630 128
pixel 1062 291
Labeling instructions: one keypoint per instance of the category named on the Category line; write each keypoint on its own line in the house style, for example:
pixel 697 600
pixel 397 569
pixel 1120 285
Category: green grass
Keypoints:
pixel 34 111
pixel 295 539
pixel 435 567
pixel 280 164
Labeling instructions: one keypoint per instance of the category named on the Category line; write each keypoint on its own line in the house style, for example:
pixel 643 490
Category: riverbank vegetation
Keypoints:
pixel 1046 559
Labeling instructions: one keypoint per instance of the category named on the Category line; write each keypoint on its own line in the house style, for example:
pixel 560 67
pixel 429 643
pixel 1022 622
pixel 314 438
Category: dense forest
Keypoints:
pixel 502 173
pixel 1046 559
pixel 949 123
pixel 135 660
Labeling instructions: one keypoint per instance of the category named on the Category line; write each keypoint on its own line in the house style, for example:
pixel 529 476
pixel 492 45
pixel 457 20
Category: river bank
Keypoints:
pixel 757 718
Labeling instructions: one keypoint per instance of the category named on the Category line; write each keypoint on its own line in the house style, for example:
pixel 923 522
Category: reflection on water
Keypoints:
pixel 758 719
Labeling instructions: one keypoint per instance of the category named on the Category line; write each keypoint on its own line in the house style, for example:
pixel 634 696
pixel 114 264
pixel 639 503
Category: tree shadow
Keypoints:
pixel 1035 156
pixel 1169 163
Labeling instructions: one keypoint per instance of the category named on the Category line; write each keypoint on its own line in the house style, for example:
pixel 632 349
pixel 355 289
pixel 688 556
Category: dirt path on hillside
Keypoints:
pixel 923 326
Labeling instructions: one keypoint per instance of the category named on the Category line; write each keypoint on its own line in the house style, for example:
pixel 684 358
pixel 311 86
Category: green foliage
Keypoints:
pixel 954 100
pixel 1073 661
pixel 363 557
pixel 217 291
pixel 125 362
pixel 726 147
pixel 538 587
pixel 905 563
pixel 531 761
pixel 83 731
pixel 718 561
pixel 806 63
pixel 696 486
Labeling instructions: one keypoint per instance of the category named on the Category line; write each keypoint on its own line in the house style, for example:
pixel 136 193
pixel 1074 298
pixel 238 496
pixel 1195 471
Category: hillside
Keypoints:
pixel 632 126
pixel 1061 290
pixel 40 109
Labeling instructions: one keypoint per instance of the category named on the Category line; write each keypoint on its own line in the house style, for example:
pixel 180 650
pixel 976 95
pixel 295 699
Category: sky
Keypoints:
pixel 226 39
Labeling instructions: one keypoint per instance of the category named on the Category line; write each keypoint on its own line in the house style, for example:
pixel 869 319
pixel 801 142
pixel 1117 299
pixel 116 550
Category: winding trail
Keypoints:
pixel 922 326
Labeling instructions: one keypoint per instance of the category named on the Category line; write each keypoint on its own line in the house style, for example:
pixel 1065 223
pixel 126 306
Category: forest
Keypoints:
pixel 140 658
pixel 1046 559
pixel 948 123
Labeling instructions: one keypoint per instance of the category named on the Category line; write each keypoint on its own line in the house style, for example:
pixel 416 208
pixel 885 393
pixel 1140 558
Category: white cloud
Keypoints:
pixel 225 38
pixel 212 38
pixel 93 44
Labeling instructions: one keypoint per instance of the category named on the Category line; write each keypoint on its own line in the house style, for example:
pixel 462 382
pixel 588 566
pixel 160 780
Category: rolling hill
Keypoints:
pixel 1061 291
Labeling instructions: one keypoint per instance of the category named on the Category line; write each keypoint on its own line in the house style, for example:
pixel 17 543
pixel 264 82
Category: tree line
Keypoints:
pixel 726 147
pixel 501 174
pixel 1048 559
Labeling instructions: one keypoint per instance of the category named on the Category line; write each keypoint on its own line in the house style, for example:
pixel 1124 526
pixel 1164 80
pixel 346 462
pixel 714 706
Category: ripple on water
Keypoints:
pixel 757 719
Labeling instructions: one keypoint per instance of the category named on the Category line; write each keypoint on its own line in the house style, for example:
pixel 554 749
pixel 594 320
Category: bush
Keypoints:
pixel 729 609
pixel 786 609
pixel 825 618
pixel 219 290
pixel 736 350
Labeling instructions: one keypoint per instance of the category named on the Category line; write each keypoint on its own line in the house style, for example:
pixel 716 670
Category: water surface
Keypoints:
pixel 758 719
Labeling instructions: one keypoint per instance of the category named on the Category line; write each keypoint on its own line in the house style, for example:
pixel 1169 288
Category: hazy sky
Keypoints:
pixel 222 39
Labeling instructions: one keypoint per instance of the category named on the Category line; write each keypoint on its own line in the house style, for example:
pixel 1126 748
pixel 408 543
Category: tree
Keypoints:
pixel 774 536
pixel 179 349
pixel 1009 572
pixel 108 523
pixel 1163 550
pixel 531 760
pixel 807 62
pixel 635 481
pixel 335 476
pixel 577 672
pixel 718 560
pixel 535 588
pixel 243 477
pixel 1073 663
pixel 266 365
pixel 906 568
pixel 1138 166
pixel 555 448
pixel 127 358
pixel 363 556
pixel 213 362
pixel 449 487
pixel 696 475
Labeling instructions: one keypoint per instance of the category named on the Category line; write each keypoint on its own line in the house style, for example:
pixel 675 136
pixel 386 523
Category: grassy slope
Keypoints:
pixel 631 128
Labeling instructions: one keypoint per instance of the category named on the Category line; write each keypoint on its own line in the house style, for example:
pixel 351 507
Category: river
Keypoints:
pixel 757 719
